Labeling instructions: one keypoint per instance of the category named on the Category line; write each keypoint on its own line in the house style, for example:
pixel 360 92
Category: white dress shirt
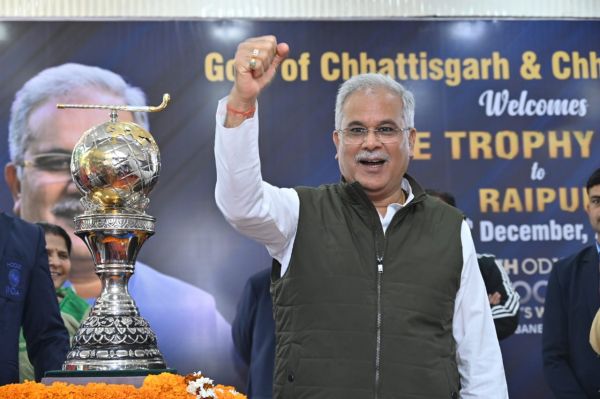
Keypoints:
pixel 269 215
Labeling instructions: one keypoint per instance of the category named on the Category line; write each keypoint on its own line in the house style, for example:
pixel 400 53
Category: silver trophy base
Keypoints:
pixel 114 343
pixel 114 336
pixel 146 364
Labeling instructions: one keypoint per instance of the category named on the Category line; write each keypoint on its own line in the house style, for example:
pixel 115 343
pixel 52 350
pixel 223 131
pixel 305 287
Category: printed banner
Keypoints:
pixel 506 116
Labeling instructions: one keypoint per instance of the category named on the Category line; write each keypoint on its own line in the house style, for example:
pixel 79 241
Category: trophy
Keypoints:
pixel 115 165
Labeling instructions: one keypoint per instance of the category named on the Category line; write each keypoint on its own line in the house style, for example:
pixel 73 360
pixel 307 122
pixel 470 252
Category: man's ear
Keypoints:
pixel 14 185
pixel 412 136
pixel 336 140
pixel 586 207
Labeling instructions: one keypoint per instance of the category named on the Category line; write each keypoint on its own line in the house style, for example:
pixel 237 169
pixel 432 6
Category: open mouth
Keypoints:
pixel 372 162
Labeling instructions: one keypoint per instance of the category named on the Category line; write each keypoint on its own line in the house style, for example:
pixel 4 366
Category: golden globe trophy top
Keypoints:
pixel 115 165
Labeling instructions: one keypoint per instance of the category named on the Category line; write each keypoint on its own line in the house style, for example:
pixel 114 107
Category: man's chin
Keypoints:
pixel 370 184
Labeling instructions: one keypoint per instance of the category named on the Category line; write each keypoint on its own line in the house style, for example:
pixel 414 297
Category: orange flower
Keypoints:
pixel 161 386
pixel 227 392
pixel 164 385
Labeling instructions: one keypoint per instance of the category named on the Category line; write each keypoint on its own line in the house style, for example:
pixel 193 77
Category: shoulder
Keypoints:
pixel 578 258
pixel 18 226
pixel 487 261
pixel 431 205
pixel 261 279
pixel 72 303
pixel 23 242
pixel 574 267
pixel 435 205
pixel 438 213
pixel 486 258
pixel 193 305
pixel 324 189
pixel 323 200
pixel 151 281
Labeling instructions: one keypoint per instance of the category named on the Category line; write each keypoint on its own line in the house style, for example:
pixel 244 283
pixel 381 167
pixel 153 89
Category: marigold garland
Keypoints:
pixel 161 386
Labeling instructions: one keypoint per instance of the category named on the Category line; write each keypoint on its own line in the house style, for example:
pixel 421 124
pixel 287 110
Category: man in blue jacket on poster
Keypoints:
pixel 27 299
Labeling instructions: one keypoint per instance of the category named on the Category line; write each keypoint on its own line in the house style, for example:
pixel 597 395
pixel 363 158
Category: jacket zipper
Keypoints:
pixel 378 339
pixel 380 244
pixel 379 253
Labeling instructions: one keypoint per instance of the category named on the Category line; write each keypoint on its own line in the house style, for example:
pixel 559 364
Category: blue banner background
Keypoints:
pixel 194 243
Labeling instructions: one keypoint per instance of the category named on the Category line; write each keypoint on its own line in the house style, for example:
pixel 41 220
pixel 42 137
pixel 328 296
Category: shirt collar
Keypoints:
pixel 395 207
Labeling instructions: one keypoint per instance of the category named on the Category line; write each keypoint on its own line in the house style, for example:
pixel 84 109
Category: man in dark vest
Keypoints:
pixel 376 289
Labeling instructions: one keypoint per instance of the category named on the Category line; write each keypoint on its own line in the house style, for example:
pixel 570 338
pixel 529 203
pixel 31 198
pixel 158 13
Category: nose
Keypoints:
pixel 53 259
pixel 371 140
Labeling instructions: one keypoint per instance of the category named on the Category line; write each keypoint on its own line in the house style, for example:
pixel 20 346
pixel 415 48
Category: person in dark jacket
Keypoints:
pixel 504 300
pixel 253 328
pixel 571 367
pixel 253 331
pixel 28 300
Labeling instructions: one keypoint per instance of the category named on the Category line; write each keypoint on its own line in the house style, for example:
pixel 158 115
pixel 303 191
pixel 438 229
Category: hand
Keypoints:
pixel 494 298
pixel 256 61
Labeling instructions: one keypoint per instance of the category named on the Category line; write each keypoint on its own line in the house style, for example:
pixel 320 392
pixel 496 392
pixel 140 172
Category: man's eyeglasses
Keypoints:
pixel 54 162
pixel 385 134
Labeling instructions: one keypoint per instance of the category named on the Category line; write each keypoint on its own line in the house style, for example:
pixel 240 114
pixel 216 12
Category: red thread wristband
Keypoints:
pixel 245 114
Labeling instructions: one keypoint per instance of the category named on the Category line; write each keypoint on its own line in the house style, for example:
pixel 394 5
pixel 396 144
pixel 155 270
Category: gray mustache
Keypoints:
pixel 364 155
pixel 67 207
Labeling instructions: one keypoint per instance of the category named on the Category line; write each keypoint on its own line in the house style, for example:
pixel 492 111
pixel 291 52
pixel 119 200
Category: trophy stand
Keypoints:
pixel 114 336
pixel 114 165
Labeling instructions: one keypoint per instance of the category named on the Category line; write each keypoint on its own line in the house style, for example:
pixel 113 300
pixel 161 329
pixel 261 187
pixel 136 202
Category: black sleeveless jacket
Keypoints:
pixel 363 314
